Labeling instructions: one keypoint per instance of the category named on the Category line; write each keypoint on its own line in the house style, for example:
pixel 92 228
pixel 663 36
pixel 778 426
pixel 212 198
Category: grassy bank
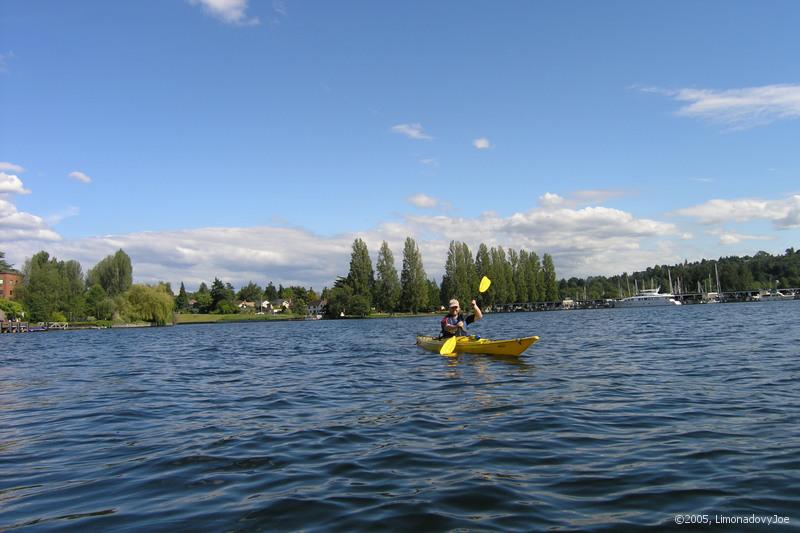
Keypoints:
pixel 184 318
pixel 188 318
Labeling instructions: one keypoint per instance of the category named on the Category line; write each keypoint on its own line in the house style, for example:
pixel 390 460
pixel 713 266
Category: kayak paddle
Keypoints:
pixel 449 345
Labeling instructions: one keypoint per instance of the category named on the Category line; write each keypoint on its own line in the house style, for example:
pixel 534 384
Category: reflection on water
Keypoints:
pixel 616 418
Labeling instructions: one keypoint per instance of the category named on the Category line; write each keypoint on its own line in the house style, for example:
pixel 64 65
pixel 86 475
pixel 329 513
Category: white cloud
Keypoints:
pixel 430 162
pixel 587 241
pixel 738 108
pixel 229 11
pixel 550 199
pixel 482 143
pixel 16 226
pixel 11 167
pixel 422 200
pixel 412 131
pixel 80 176
pixel 784 213
pixel 729 237
pixel 11 184
pixel 579 198
pixel 69 212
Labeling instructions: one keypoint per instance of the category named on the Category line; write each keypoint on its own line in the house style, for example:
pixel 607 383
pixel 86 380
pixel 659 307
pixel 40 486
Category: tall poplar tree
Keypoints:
pixel 520 277
pixel 460 279
pixel 550 283
pixel 413 282
pixel 483 266
pixel 361 277
pixel 387 283
pixel 533 275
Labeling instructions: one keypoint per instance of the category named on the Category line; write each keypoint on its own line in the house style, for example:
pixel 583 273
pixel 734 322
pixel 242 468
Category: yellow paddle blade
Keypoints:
pixel 449 346
pixel 485 282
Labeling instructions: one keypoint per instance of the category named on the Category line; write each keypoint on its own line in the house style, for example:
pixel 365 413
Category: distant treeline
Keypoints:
pixel 761 271
pixel 55 291
pixel 516 276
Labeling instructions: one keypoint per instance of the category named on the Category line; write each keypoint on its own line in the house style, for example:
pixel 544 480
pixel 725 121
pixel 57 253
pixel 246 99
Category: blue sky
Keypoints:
pixel 256 140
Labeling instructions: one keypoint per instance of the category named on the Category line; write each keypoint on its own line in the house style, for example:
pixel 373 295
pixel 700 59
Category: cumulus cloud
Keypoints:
pixel 784 213
pixel 11 184
pixel 11 167
pixel 482 143
pixel 579 198
pixel 230 11
pixel 729 237
pixel 80 176
pixel 16 226
pixel 738 108
pixel 412 131
pixel 422 200
pixel 550 199
pixel 586 241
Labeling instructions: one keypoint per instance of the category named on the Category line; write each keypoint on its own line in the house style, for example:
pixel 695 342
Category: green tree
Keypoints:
pixel 114 273
pixel 250 292
pixel 433 295
pixel 460 279
pixel 182 300
pixel 361 276
pixel 339 299
pixel 483 266
pixel 13 310
pixel 299 306
pixel 222 297
pixel 550 284
pixel 359 305
pixel 413 281
pixel 203 299
pixel 149 304
pixel 533 278
pixel 519 263
pixel 72 303
pixel 3 265
pixel 41 287
pixel 270 292
pixel 387 283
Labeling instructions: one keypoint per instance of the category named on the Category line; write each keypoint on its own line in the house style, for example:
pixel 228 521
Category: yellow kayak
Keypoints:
pixel 477 345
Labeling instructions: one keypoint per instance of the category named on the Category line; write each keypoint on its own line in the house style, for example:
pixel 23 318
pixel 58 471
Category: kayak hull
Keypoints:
pixel 480 346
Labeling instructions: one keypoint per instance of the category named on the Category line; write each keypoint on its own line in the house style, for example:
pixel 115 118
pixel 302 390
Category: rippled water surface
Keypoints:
pixel 616 418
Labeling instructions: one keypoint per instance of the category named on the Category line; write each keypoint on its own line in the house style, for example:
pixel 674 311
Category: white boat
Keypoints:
pixel 648 298
pixel 774 296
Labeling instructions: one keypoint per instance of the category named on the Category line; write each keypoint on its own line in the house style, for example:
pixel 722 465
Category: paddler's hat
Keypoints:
pixel 453 303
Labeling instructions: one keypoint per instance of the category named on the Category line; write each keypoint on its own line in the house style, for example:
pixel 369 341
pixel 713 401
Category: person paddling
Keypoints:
pixel 454 323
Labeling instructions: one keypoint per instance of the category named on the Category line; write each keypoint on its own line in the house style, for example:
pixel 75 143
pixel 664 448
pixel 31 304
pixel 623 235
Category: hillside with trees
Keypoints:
pixel 760 271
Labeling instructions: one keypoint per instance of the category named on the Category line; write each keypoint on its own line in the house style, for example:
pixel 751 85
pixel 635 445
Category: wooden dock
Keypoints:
pixel 9 326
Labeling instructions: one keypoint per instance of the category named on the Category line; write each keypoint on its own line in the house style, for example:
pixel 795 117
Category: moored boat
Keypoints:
pixel 479 345
pixel 648 298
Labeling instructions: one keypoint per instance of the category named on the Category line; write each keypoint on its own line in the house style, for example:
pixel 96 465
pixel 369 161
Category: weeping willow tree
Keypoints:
pixel 149 303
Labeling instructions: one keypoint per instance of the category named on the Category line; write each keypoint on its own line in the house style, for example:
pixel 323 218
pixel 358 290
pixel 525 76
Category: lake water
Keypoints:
pixel 616 418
